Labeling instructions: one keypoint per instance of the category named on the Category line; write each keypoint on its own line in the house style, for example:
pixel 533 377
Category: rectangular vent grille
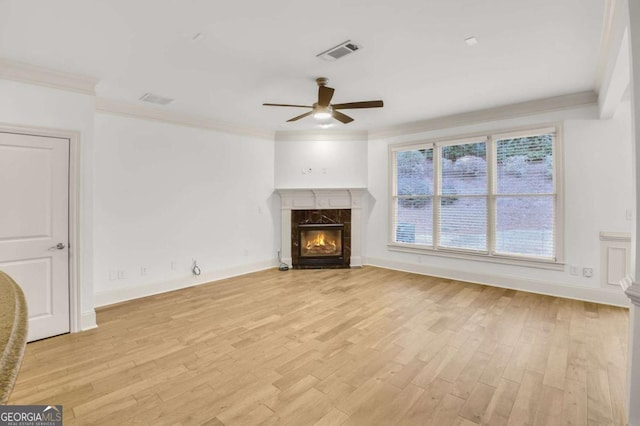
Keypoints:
pixel 339 51
pixel 155 99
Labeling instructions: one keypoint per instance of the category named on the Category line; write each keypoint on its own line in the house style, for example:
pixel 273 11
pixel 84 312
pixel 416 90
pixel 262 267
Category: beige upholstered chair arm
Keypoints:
pixel 13 333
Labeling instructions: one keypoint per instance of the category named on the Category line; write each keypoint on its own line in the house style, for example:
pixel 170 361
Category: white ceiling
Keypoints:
pixel 414 56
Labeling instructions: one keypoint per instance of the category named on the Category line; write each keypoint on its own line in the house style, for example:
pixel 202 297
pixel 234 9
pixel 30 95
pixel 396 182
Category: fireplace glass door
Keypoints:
pixel 321 240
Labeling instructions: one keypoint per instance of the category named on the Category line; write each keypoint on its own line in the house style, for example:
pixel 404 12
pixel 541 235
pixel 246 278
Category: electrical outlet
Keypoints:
pixel 629 214
pixel 173 265
pixel 143 270
pixel 587 272
pixel 573 270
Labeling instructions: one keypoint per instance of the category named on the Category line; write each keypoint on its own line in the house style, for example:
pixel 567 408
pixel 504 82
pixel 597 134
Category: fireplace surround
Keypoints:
pixel 318 206
pixel 320 238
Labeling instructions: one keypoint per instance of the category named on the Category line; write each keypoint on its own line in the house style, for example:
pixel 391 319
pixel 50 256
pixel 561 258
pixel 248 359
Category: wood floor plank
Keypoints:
pixel 517 362
pixel 309 407
pixel 574 409
pixel 538 358
pixel 616 389
pixel 476 405
pixel 389 414
pixel 556 370
pixel 332 347
pixel 456 364
pixel 470 376
pixel 447 411
pixel 499 408
pixel 494 369
pixel 526 403
pixel 431 371
pixel 599 397
pixel 422 411
pixel 403 377
pixel 577 360
pixel 261 415
pixel 334 417
pixel 550 406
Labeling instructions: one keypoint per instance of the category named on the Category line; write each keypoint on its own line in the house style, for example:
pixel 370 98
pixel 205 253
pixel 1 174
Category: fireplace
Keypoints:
pixel 320 206
pixel 321 238
pixel 320 244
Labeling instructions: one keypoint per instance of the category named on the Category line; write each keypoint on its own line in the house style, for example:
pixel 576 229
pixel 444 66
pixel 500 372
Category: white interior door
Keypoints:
pixel 34 227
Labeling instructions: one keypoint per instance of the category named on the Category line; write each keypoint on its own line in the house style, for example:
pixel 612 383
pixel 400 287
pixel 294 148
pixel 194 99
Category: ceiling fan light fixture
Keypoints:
pixel 322 115
pixel 471 41
pixel 322 112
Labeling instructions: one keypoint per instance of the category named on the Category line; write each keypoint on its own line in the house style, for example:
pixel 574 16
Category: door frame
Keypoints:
pixel 75 290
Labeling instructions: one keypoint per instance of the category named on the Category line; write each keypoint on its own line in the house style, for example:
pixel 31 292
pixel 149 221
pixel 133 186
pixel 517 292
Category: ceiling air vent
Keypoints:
pixel 155 99
pixel 339 51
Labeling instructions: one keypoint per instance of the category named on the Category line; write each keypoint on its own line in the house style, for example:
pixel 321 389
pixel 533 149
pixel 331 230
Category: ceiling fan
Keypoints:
pixel 324 109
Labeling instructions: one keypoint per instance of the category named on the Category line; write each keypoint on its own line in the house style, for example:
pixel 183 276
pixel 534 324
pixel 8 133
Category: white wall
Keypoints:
pixel 37 106
pixel 167 194
pixel 598 191
pixel 155 193
pixel 333 163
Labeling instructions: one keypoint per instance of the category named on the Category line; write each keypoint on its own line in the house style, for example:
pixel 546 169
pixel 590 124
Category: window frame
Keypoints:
pixel 490 254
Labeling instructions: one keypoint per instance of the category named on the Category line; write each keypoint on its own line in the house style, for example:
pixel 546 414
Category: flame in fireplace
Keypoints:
pixel 319 241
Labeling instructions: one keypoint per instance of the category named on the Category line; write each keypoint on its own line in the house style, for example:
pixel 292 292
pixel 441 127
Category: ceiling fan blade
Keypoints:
pixel 324 95
pixel 363 104
pixel 341 117
pixel 288 105
pixel 300 116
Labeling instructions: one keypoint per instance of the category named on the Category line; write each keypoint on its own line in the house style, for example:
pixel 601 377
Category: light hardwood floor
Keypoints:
pixel 337 347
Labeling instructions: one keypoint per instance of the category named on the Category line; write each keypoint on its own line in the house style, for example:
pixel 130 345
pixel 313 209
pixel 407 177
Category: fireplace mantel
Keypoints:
pixel 322 199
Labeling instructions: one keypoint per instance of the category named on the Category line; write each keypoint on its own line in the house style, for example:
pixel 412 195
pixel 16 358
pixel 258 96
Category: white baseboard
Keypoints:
pixel 88 320
pixel 356 261
pixel 124 294
pixel 598 295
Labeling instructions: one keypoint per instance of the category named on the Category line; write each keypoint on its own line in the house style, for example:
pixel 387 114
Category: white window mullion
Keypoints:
pixel 437 166
pixel 491 199
pixel 393 176
pixel 558 188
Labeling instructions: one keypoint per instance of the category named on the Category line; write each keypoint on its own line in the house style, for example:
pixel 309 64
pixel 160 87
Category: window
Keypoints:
pixel 493 195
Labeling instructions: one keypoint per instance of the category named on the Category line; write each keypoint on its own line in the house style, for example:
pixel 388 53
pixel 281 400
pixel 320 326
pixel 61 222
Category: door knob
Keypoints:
pixel 59 246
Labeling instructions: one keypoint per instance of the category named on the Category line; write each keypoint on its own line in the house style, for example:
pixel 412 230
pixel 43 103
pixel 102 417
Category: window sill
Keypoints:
pixel 477 257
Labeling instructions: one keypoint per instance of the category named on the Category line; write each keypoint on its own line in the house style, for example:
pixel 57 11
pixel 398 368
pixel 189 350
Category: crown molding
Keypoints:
pixel 318 135
pixel 537 106
pixel 32 74
pixel 127 109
